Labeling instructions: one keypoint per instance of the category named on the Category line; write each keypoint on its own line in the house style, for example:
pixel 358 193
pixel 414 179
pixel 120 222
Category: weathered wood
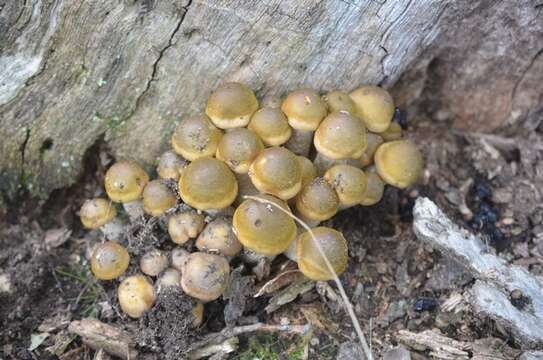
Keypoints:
pixel 496 279
pixel 73 71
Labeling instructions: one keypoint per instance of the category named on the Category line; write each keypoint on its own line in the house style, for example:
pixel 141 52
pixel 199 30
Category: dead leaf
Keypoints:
pixel 56 237
pixel 280 281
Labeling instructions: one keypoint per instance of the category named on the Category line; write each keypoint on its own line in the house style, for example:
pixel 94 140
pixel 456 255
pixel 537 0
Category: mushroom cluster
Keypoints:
pixel 236 178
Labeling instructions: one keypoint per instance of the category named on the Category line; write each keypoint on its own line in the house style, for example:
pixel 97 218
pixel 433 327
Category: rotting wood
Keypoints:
pixel 99 335
pixel 496 279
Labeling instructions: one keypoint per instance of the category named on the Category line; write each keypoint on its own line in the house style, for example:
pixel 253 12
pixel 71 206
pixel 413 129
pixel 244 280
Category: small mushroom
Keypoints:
pixel 374 189
pixel 262 228
pixel 339 101
pixel 339 136
pixel 158 198
pixel 170 165
pixel 196 137
pixel 374 106
pixel 399 163
pixel 271 101
pixel 393 132
pixel 310 260
pixel 277 171
pixel 238 148
pixel 198 313
pixel 179 258
pixel 271 125
pixel 317 202
pixel 309 171
pixel 349 183
pixel 153 262
pixel 205 276
pixel 219 236
pixel 124 183
pixel 136 295
pixel 208 183
pixel 185 226
pixel 305 111
pixel 170 278
pixel 101 214
pixel 231 105
pixel 109 261
pixel 374 141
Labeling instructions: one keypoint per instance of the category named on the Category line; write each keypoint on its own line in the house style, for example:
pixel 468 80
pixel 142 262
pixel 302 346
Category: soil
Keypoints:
pixel 491 185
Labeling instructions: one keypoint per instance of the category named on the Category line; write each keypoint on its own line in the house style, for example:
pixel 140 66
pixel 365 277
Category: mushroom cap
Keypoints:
pixel 179 257
pixel 125 181
pixel 262 228
pixel 109 261
pixel 205 276
pixel 219 236
pixel 169 278
pixel 277 171
pixel 341 136
pixel 374 141
pixel 349 183
pixel 393 132
pixel 374 106
pixel 231 105
pixel 399 163
pixel 185 226
pixel 196 137
pixel 309 170
pixel 317 201
pixel 338 100
pixel 238 148
pixel 271 101
pixel 136 295
pixel 310 261
pixel 304 109
pixel 96 212
pixel 158 198
pixel 374 189
pixel 208 183
pixel 271 125
pixel 153 262
pixel 170 165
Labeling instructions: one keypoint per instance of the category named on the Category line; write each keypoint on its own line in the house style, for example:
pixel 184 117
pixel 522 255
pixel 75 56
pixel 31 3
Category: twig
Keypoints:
pixel 348 305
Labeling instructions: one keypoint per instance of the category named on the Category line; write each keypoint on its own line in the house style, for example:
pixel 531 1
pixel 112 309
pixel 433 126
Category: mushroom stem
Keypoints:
pixel 323 163
pixel 214 213
pixel 134 209
pixel 113 230
pixel 252 258
pixel 291 251
pixel 300 142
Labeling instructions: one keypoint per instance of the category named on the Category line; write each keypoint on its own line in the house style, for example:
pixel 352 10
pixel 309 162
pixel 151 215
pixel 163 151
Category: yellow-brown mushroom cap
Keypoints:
pixel 208 183
pixel 196 137
pixel 339 101
pixel 349 183
pixel 374 106
pixel 393 132
pixel 238 148
pixel 231 105
pixel 341 136
pixel 205 276
pixel 310 261
pixel 271 101
pixel 158 198
pixel 277 171
pixel 374 189
pixel 374 141
pixel 109 261
pixel 263 228
pixel 125 181
pixel 170 165
pixel 399 163
pixel 271 125
pixel 304 109
pixel 136 295
pixel 184 226
pixel 317 201
pixel 309 171
pixel 219 236
pixel 96 212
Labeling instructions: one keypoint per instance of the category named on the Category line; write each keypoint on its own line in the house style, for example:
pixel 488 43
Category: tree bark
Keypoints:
pixel 73 72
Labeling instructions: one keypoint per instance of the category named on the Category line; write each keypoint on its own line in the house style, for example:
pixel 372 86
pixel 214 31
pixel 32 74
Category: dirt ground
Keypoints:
pixel 490 184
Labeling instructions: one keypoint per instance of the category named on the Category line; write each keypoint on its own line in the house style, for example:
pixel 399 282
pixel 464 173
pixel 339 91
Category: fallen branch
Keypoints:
pixel 439 346
pixel 98 335
pixel 496 279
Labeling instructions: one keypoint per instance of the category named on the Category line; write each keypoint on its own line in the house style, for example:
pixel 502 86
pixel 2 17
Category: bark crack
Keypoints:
pixel 524 72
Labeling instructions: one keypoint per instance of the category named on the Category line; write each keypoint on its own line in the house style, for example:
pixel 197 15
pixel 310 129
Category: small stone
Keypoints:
pixel 397 353
pixel 350 351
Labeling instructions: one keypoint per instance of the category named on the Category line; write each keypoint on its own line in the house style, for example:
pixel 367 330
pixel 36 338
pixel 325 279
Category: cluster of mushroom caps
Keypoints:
pixel 231 165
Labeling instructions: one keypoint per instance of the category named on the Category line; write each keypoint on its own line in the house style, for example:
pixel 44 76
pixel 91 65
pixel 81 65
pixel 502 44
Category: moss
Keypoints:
pixel 270 347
